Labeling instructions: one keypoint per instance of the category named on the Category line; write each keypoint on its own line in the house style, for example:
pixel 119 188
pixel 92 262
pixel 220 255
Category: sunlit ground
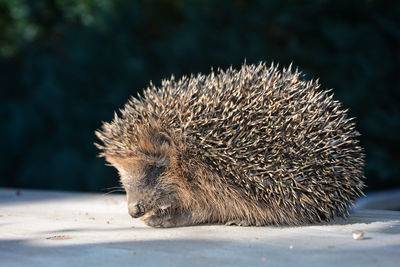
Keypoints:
pixel 71 229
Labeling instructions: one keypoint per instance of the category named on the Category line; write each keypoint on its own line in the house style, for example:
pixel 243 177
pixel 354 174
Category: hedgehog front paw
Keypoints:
pixel 159 221
pixel 167 220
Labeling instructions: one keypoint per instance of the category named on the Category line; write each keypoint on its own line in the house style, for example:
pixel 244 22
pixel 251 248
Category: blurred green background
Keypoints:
pixel 65 66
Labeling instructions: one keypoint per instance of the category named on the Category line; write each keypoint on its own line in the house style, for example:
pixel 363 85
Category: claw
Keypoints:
pixel 237 223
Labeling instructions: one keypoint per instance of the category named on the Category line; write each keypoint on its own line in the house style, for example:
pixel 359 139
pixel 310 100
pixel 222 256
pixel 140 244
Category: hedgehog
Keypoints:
pixel 254 146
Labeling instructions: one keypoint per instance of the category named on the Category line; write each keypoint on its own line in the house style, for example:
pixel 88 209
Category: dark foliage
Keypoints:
pixel 67 65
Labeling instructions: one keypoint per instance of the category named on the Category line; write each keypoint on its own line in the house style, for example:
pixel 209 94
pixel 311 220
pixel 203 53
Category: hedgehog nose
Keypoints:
pixel 136 210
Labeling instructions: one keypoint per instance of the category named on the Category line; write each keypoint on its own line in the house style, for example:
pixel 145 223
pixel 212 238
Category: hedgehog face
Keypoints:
pixel 147 177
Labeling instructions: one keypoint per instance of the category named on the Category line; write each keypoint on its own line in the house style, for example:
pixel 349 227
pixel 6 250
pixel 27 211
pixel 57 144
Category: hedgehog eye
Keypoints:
pixel 156 170
pixel 152 174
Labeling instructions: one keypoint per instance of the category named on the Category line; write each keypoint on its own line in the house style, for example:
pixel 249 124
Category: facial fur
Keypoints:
pixel 147 175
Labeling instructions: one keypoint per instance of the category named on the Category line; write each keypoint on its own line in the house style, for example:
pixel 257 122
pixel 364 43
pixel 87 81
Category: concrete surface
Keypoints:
pixel 42 228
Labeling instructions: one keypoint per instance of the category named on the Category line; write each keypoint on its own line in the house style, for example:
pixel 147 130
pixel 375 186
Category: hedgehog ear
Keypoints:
pixel 164 139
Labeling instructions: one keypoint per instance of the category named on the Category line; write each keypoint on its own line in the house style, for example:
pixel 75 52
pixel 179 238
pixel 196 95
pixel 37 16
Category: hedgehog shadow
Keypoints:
pixel 364 217
pixel 360 217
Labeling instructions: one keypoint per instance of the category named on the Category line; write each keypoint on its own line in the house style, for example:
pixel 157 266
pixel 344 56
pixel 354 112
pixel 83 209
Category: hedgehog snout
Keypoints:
pixel 136 210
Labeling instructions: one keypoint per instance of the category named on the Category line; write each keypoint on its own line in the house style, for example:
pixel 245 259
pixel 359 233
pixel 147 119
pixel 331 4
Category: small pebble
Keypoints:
pixel 358 234
pixel 291 246
pixel 263 259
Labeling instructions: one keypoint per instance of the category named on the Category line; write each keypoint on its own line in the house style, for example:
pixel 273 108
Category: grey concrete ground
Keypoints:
pixel 39 228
